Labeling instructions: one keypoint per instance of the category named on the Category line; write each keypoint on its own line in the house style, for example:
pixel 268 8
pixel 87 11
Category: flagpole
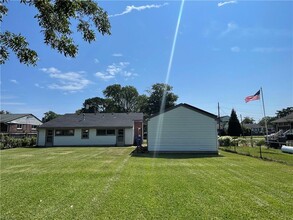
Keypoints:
pixel 264 113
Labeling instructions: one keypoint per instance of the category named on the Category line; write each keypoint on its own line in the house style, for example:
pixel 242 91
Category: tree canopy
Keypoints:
pixel 125 99
pixel 48 116
pixel 158 92
pixel 55 19
pixel 284 112
pixel 234 128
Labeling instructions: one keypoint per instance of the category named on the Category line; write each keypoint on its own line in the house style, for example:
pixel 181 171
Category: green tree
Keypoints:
pixel 142 103
pixel 284 112
pixel 55 18
pixel 158 92
pixel 129 96
pixel 48 116
pixel 234 128
pixel 268 119
pixel 248 120
pixel 122 99
pixel 93 105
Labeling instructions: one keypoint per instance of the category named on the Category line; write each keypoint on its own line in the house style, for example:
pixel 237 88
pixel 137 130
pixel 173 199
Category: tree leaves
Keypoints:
pixel 54 18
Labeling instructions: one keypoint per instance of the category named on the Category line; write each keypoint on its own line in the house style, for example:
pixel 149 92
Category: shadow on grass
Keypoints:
pixel 181 155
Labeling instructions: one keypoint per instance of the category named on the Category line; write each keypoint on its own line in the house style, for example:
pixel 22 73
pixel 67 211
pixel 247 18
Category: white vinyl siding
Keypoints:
pixel 26 120
pixel 76 140
pixel 182 129
pixel 128 136
pixel 41 138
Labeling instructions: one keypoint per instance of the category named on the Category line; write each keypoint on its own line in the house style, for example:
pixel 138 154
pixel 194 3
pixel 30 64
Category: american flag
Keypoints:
pixel 256 96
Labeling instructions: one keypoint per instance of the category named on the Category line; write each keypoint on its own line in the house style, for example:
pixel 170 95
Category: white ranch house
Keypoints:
pixel 89 129
pixel 183 128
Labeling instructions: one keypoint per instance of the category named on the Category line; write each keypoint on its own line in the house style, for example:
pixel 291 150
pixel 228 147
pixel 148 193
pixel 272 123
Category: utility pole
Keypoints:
pixel 219 118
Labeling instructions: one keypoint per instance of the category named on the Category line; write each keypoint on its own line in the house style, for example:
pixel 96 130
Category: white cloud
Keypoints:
pixel 220 4
pixel 115 69
pixel 104 76
pixel 14 81
pixel 117 55
pixel 231 26
pixel 270 49
pixel 131 8
pixel 235 49
pixel 39 86
pixel 70 81
pixel 13 103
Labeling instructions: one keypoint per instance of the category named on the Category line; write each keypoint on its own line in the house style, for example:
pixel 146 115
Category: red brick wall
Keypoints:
pixel 138 129
pixel 12 128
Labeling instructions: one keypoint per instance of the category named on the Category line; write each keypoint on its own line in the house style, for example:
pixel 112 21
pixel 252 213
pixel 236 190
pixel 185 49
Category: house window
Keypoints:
pixel 111 132
pixel 105 132
pixel 85 133
pixel 101 132
pixel 19 127
pixel 34 127
pixel 64 132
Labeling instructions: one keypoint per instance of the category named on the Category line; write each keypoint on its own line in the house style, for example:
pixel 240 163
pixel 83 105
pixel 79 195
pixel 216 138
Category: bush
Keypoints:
pixel 11 142
pixel 260 142
pixel 225 141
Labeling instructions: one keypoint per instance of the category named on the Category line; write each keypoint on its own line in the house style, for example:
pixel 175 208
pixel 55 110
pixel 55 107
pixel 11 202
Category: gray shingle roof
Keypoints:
pixel 288 118
pixel 4 118
pixel 91 120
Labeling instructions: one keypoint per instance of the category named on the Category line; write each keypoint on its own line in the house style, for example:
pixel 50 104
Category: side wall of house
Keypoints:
pixel 41 137
pixel 76 140
pixel 182 129
pixel 128 136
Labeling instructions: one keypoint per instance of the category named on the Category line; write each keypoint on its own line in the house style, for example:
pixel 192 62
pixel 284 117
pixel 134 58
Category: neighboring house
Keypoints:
pixel 183 128
pixel 256 129
pixel 224 122
pixel 19 125
pixel 284 123
pixel 89 129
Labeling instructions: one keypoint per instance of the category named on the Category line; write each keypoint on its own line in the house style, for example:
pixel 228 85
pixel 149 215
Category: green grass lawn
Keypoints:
pixel 110 183
pixel 267 153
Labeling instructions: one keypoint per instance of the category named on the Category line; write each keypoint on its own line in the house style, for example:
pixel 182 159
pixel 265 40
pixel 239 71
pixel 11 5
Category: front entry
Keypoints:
pixel 49 137
pixel 120 137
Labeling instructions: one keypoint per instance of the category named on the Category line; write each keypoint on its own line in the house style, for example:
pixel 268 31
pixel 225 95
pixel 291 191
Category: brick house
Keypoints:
pixel 19 125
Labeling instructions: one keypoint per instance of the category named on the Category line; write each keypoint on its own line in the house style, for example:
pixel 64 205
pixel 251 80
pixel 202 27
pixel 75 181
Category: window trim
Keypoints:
pixel 19 127
pixel 83 136
pixel 105 133
pixel 64 132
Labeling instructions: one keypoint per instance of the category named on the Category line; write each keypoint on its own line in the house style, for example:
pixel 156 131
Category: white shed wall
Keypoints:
pixel 182 129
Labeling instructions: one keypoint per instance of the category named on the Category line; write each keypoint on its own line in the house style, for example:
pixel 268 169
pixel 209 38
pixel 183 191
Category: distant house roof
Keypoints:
pixel 189 107
pixel 6 118
pixel 253 126
pixel 91 120
pixel 288 118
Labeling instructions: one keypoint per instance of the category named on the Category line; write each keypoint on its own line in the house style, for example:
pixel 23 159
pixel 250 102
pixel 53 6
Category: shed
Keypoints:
pixel 183 128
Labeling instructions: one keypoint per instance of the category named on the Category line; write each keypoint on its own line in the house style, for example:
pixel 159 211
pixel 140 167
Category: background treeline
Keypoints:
pixel 126 99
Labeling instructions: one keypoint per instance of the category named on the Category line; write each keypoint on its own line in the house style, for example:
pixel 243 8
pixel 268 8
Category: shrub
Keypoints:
pixel 260 142
pixel 225 141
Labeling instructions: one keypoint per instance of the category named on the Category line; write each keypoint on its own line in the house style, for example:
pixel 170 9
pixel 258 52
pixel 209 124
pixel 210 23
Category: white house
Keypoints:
pixel 101 129
pixel 183 128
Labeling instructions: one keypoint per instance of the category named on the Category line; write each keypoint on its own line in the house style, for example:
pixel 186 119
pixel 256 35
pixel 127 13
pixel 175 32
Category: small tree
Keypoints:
pixel 49 116
pixel 234 128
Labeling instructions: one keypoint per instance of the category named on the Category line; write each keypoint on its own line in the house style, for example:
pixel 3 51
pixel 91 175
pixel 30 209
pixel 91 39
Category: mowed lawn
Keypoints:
pixel 110 183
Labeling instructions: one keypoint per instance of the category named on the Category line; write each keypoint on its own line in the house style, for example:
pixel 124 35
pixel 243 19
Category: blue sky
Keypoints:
pixel 224 52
